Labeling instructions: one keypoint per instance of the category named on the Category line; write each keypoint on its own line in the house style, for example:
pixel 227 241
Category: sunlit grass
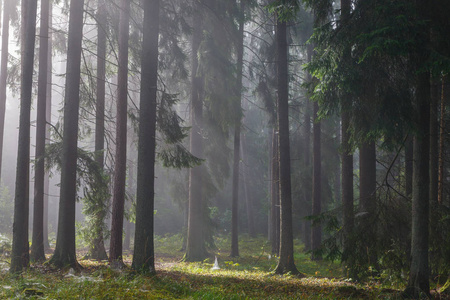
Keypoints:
pixel 246 277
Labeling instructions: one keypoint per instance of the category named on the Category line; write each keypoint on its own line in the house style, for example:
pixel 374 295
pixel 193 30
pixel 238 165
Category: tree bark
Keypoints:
pixel 65 252
pixel 116 243
pixel 195 246
pixel 286 261
pixel 20 248
pixel 347 164
pixel 144 257
pixel 275 196
pixel 48 119
pixel 37 246
pixel 442 141
pixel 97 248
pixel 316 233
pixel 237 139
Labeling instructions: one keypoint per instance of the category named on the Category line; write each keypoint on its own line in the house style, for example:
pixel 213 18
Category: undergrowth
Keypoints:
pixel 246 277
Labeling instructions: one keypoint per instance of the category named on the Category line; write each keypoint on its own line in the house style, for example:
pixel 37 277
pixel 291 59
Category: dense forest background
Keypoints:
pixel 319 121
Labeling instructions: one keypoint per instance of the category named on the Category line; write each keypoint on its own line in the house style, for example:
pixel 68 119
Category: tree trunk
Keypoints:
pixel 20 247
pixel 48 119
pixel 65 252
pixel 286 262
pixel 316 233
pixel 37 246
pixel 143 259
pixel 442 141
pixel 115 249
pixel 97 248
pixel 307 162
pixel 3 75
pixel 347 164
pixel 195 246
pixel 237 139
pixel 418 282
pixel 275 196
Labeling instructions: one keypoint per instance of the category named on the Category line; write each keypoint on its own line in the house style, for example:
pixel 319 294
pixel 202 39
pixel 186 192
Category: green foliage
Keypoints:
pixel 93 181
pixel 285 9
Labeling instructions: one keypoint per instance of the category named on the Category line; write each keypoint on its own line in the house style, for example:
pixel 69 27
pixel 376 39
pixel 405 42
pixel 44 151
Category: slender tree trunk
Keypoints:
pixel 442 141
pixel 286 262
pixel 3 75
pixel 195 246
pixel 97 248
pixel 418 283
pixel 347 164
pixel 434 166
pixel 48 118
pixel 115 249
pixel 37 246
pixel 65 252
pixel 20 247
pixel 316 233
pixel 419 272
pixel 237 139
pixel 144 257
pixel 275 196
pixel 307 162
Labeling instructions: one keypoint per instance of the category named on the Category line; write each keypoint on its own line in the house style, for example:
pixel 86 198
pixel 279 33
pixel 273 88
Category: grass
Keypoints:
pixel 246 277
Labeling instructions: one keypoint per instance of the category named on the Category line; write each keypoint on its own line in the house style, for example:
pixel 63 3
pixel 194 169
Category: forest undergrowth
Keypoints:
pixel 246 277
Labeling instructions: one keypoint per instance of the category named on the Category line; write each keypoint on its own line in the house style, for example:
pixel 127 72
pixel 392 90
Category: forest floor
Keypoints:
pixel 246 277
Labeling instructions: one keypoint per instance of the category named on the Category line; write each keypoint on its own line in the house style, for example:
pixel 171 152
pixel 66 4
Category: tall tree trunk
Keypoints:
pixel 418 283
pixel 65 252
pixel 316 233
pixel 20 247
pixel 37 246
pixel 143 259
pixel 237 138
pixel 275 196
pixel 48 119
pixel 115 249
pixel 367 194
pixel 307 162
pixel 97 248
pixel 3 74
pixel 434 165
pixel 286 261
pixel 195 246
pixel 347 164
pixel 442 141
